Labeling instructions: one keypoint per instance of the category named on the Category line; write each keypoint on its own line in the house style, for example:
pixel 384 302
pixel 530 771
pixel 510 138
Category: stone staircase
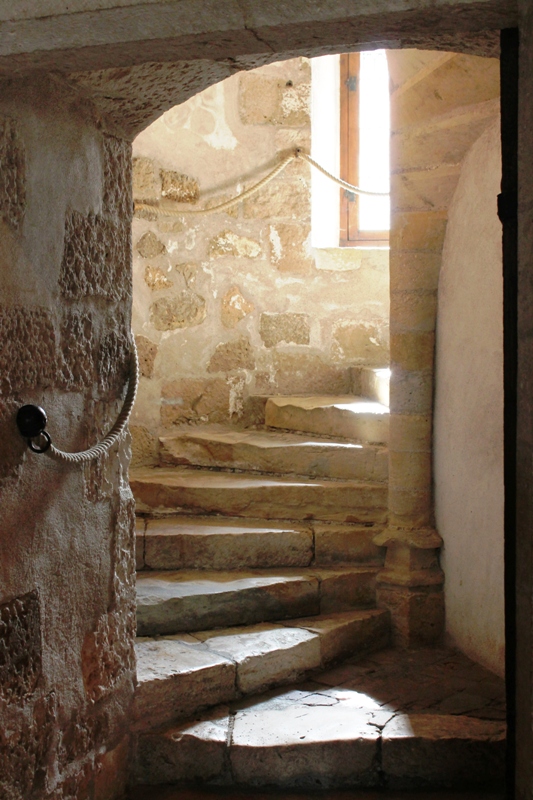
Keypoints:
pixel 257 569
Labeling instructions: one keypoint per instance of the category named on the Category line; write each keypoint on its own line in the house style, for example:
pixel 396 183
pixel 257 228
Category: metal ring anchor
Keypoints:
pixel 35 449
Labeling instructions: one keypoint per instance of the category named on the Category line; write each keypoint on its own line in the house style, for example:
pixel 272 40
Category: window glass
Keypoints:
pixel 374 138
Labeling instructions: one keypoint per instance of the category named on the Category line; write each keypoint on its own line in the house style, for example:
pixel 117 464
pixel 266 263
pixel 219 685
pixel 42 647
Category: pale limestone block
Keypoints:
pixel 296 372
pixel 179 188
pixel 229 243
pixel 194 399
pixel 205 543
pixel 443 750
pixel 345 417
pixel 228 356
pixel 289 248
pixel 288 327
pixel 189 752
pixel 234 307
pixel 410 508
pixel 304 745
pixel 266 655
pixel 183 310
pixel 360 342
pixel 169 602
pixel 410 433
pixel 411 392
pixel 146 353
pixel 261 496
pixel 156 279
pixel 269 101
pixel 274 452
pixel 412 350
pixel 412 271
pixel 418 230
pixel 175 679
pixel 144 446
pixel 413 311
pixel 149 246
pixel 342 590
pixel 144 179
pixel 348 633
pixel 287 199
pixel 410 470
pixel 345 544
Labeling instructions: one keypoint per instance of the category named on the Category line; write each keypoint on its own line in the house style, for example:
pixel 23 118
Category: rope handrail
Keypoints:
pixel 35 415
pixel 167 211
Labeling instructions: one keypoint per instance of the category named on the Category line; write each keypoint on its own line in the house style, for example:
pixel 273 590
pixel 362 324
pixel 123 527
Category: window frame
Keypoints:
pixel 349 233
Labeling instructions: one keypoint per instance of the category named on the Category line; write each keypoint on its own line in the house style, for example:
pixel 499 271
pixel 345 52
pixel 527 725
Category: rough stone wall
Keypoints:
pixel 468 424
pixel 237 304
pixel 67 614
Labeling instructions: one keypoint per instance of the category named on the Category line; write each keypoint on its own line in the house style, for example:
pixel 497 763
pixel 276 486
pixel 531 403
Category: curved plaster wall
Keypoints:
pixel 468 425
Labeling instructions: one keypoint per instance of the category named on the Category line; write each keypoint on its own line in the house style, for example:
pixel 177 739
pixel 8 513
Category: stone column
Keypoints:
pixel 67 599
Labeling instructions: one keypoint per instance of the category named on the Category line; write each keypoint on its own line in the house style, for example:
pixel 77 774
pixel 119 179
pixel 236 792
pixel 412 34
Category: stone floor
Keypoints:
pixel 421 718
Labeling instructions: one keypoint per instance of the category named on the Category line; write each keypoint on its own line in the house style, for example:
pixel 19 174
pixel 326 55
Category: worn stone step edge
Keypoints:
pixel 179 676
pixel 181 601
pixel 274 453
pixel 341 750
pixel 200 491
pixel 212 543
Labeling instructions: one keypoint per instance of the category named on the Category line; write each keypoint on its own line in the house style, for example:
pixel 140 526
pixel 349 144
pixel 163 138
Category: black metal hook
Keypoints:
pixel 31 422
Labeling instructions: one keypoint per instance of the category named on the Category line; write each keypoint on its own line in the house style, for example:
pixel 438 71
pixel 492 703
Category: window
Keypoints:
pixel 364 148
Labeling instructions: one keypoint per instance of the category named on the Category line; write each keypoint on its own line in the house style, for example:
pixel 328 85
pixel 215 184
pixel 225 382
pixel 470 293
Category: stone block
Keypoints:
pixel 144 446
pixel 418 230
pixel 169 602
pixel 360 343
pixel 289 328
pixel 179 188
pixel 410 470
pixel 205 543
pixel 266 655
pixel 411 392
pixel 146 353
pixel 417 614
pixel 96 257
pixel 347 589
pixel 194 399
pixel 229 243
pixel 290 248
pixel 144 179
pixel 294 373
pixel 304 746
pixel 111 772
pixel 117 183
pixel 286 199
pixel 413 311
pixel 139 543
pixel 265 100
pixel 13 171
pixel 414 271
pixel 156 279
pixel 234 307
pixel 149 246
pixel 345 544
pixel 20 647
pixel 183 310
pixel 228 356
pixel 412 350
pixel 443 751
pixel 194 751
pixel 410 508
pixel 176 679
pixel 348 633
pixel 410 433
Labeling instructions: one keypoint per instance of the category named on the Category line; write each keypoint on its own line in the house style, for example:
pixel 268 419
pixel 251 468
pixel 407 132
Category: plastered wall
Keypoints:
pixel 468 423
pixel 67 615
pixel 237 304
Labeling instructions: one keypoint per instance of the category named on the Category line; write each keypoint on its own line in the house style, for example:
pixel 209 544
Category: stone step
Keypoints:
pixel 347 417
pixel 218 543
pixel 174 602
pixel 309 740
pixel 181 675
pixel 196 491
pixel 272 452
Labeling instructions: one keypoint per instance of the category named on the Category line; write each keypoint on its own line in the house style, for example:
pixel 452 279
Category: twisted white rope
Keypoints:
pixel 116 431
pixel 167 211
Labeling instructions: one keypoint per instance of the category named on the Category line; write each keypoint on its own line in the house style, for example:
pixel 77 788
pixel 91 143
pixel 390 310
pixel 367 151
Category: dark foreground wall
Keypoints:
pixel 66 570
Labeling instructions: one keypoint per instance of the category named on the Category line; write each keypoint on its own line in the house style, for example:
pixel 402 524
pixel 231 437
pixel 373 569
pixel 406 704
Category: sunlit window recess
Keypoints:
pixel 350 136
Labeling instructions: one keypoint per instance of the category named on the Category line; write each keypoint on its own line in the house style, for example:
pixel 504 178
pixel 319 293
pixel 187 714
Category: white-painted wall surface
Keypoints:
pixel 468 426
